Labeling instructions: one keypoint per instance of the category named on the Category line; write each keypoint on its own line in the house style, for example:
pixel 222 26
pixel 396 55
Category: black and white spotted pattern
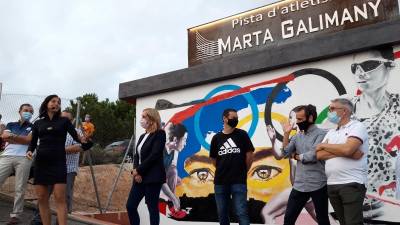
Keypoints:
pixel 382 128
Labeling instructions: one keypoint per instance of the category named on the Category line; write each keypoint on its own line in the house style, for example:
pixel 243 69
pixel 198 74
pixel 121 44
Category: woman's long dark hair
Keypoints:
pixel 43 106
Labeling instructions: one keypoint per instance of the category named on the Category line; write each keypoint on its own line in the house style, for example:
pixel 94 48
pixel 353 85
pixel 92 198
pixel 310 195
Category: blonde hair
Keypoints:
pixel 154 120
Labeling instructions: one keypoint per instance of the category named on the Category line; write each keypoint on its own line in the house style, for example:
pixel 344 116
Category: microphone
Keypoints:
pixel 42 114
pixel 39 116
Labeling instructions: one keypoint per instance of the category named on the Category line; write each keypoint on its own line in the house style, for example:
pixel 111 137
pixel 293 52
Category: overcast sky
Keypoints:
pixel 90 46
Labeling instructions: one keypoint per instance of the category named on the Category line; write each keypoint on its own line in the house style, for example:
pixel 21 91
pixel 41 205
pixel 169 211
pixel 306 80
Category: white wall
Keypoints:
pixel 308 89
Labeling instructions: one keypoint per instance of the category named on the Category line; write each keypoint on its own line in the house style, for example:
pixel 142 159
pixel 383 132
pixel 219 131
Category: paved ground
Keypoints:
pixel 6 207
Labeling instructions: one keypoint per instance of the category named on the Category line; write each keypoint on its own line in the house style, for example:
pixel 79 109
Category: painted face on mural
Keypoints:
pixel 267 176
pixel 176 137
pixel 371 71
pixel 181 142
pixel 201 172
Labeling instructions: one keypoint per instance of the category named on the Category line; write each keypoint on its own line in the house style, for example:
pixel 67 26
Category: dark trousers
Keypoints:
pixel 151 193
pixel 297 201
pixel 347 201
pixel 223 195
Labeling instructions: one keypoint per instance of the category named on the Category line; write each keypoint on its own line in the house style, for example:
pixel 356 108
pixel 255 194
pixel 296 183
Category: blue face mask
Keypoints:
pixel 333 117
pixel 26 116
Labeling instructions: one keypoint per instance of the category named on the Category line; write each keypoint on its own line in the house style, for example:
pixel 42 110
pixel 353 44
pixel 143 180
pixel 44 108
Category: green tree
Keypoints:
pixel 114 121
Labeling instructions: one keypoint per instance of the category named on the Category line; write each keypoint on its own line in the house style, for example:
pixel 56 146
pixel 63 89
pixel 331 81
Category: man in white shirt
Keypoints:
pixel 346 175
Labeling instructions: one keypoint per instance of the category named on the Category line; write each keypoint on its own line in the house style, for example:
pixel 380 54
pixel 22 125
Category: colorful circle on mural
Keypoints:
pixel 303 72
pixel 247 96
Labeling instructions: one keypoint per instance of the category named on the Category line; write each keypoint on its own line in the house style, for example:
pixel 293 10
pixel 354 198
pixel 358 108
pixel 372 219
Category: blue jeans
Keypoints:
pixel 151 193
pixel 223 195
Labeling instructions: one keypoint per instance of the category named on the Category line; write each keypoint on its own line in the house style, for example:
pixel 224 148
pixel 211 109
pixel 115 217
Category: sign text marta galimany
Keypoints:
pixel 283 22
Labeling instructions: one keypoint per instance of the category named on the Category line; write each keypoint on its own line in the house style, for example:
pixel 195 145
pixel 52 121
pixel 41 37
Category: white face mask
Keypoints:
pixel 144 123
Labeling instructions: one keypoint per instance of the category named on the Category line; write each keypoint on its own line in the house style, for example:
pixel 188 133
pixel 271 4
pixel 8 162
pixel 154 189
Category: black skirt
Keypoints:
pixel 50 167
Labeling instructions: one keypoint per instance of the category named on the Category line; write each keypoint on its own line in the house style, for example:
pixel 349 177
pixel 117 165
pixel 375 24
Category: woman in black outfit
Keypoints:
pixel 149 171
pixel 50 162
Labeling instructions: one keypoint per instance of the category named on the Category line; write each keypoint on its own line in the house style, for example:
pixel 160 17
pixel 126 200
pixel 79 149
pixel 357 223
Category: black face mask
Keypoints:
pixel 233 122
pixel 304 125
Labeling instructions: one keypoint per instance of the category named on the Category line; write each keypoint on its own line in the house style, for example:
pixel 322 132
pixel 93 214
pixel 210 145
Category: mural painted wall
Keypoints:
pixel 193 115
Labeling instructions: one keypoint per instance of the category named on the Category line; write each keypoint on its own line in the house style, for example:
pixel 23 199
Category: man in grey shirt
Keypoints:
pixel 310 178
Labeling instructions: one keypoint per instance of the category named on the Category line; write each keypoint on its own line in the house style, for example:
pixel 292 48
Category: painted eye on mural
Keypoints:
pixel 265 173
pixel 202 174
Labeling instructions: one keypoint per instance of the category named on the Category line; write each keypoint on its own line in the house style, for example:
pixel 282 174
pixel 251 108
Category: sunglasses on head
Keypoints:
pixel 369 65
